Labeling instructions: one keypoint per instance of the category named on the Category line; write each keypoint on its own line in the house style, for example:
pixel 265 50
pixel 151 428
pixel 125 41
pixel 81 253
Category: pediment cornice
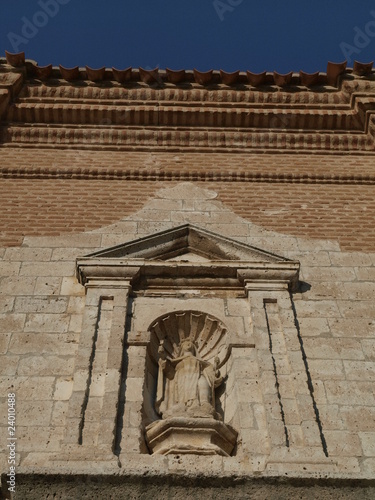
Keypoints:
pixel 148 263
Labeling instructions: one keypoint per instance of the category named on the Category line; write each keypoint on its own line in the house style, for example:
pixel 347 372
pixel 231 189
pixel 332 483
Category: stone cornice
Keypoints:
pixel 161 276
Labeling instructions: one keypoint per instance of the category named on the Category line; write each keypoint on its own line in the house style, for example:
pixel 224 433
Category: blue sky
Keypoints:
pixel 203 34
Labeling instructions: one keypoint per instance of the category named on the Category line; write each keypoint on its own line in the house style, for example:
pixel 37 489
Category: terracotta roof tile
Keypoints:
pixel 229 78
pixel 256 79
pixel 175 76
pixel 95 75
pixel 203 77
pixel 43 72
pixel 122 75
pixel 170 76
pixel 149 75
pixel 334 70
pixel 69 74
pixel 15 59
pixel 282 79
pixel 362 69
pixel 309 79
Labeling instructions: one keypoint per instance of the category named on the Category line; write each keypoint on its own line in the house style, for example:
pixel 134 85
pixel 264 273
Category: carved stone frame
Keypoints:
pixel 149 267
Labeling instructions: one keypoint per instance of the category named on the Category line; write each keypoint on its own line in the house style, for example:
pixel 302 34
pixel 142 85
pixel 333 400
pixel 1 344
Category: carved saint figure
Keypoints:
pixel 186 384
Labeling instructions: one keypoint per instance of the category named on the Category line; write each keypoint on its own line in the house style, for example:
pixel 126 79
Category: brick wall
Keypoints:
pixel 53 192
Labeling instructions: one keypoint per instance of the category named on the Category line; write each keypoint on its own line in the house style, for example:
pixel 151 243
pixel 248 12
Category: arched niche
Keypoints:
pixel 185 351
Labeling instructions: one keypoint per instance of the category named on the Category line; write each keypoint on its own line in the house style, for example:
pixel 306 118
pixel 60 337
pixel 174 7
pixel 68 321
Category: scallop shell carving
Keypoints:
pixel 207 332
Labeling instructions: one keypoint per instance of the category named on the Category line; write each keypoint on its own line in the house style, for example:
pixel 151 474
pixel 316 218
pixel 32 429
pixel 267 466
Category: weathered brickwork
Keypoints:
pixel 80 177
pixel 344 212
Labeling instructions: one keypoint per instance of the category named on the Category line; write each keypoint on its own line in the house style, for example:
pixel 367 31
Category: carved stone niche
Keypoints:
pixel 152 309
pixel 187 350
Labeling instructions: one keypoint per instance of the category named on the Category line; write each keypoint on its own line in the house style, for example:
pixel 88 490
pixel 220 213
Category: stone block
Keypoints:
pixel 47 269
pixel 75 323
pixel 20 285
pixel 248 391
pixel 338 274
pixel 207 465
pixel 38 438
pixel 311 435
pixel 4 342
pixel 132 414
pixel 90 433
pixel 291 412
pixel 41 343
pixel 134 389
pixel 324 348
pixel 358 418
pixel 351 327
pixel 113 239
pixel 23 254
pixel 9 268
pixel 361 309
pixel 12 322
pixel 31 413
pixel 94 409
pixel 97 386
pixel 319 368
pixel 332 418
pixel 360 370
pixel 365 273
pixel 368 347
pixel 41 304
pixel 313 259
pixel 130 440
pixel 48 285
pixel 59 413
pixel 57 323
pixel 317 309
pixel 63 389
pixel 6 304
pixel 313 327
pixel 45 365
pixel 368 443
pixel 70 254
pixel 79 240
pixel 359 291
pixel 8 365
pixel 76 305
pixel 368 467
pixel 358 393
pixel 70 286
pixel 350 259
pixel 343 443
pixel 106 433
pixel 28 388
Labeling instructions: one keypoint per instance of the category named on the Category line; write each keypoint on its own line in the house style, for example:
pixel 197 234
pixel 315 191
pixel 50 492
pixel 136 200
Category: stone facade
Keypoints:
pixel 110 253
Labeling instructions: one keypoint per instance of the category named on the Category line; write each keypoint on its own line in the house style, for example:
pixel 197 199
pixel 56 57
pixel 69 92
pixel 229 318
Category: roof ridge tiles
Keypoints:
pixel 162 77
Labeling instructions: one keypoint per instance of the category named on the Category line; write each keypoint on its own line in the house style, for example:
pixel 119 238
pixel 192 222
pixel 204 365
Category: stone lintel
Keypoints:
pixel 155 274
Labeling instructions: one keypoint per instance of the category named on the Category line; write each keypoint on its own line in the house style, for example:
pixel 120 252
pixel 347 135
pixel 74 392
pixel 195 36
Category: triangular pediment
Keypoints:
pixel 187 243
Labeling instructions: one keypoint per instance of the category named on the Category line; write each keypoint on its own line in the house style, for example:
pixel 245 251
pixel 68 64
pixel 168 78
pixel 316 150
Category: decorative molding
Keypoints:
pixel 125 174
pixel 231 264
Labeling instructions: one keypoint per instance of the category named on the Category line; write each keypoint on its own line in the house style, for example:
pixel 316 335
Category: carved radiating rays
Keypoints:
pixel 207 332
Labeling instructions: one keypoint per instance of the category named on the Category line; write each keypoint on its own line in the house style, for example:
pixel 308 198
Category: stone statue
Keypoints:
pixel 186 384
